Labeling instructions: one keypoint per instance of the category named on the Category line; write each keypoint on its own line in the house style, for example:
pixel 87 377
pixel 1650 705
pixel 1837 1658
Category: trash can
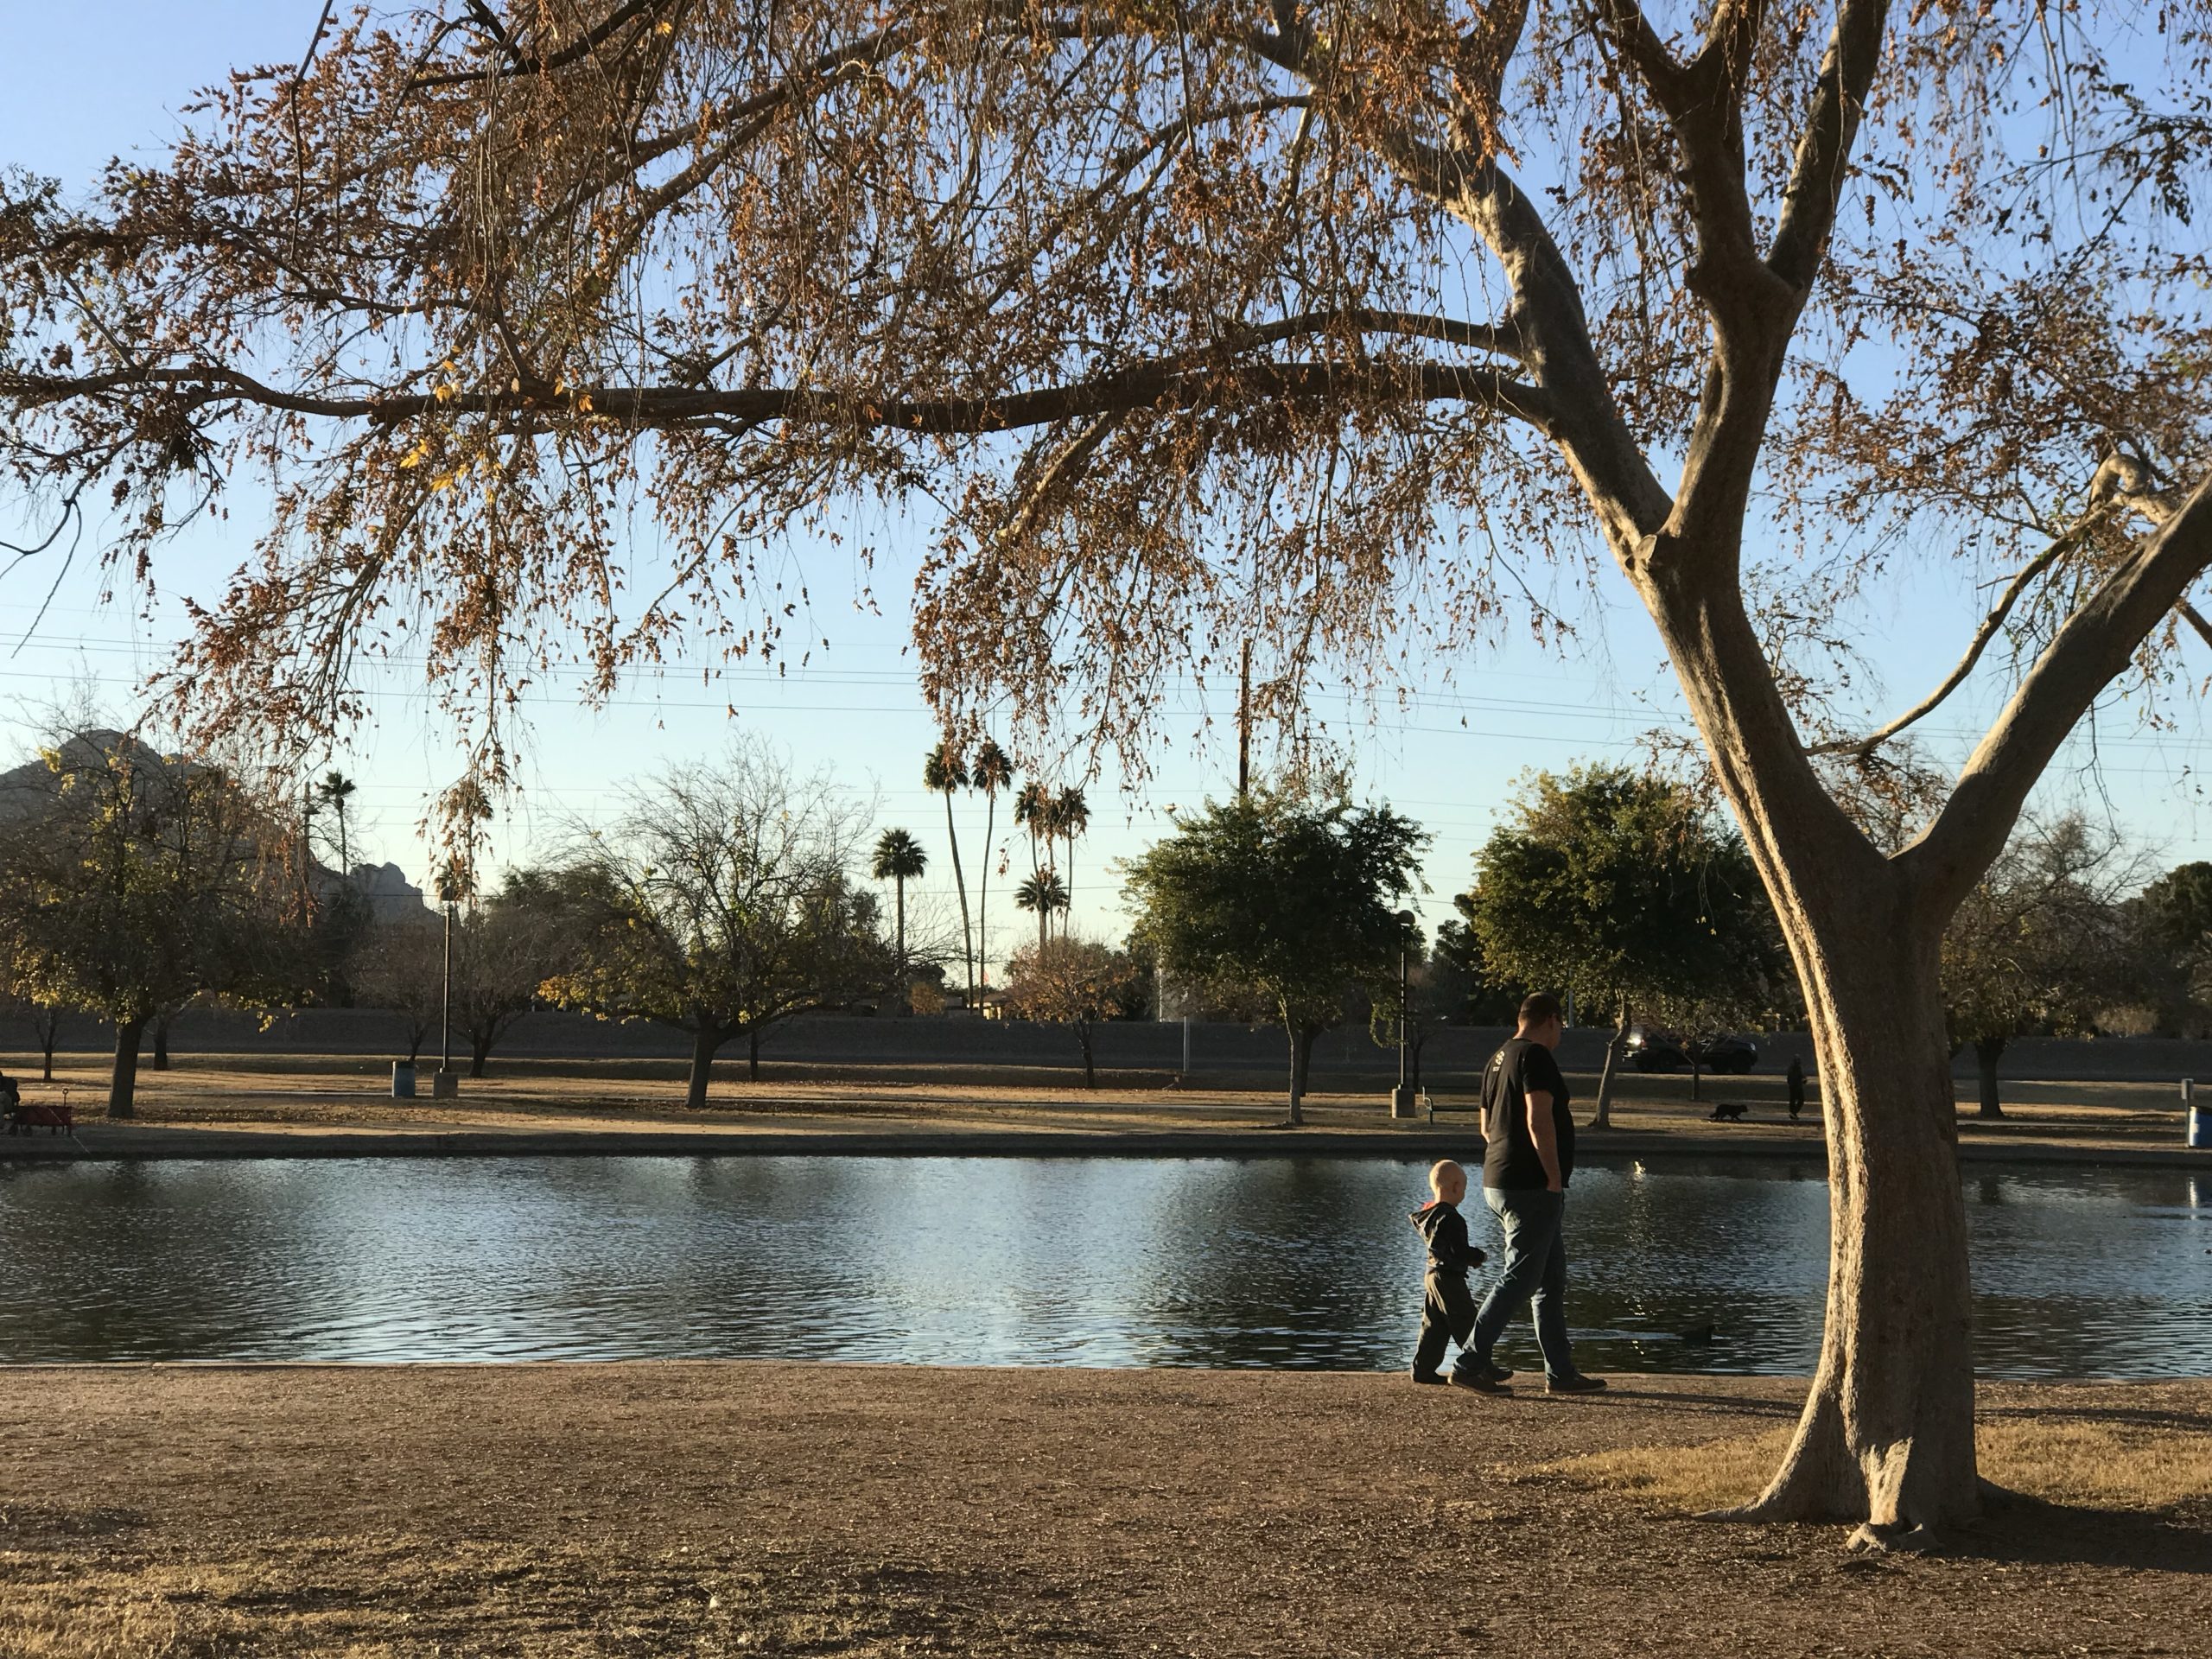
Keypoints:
pixel 403 1079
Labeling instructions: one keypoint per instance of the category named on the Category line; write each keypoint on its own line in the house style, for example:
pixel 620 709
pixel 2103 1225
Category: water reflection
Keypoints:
pixel 1106 1262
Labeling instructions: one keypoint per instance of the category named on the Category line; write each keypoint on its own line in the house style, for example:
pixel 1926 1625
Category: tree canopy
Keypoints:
pixel 1296 898
pixel 1619 888
pixel 131 882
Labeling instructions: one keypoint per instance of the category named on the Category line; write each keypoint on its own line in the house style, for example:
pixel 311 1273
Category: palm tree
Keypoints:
pixel 336 788
pixel 1033 810
pixel 1043 893
pixel 1071 818
pixel 943 772
pixel 992 772
pixel 898 859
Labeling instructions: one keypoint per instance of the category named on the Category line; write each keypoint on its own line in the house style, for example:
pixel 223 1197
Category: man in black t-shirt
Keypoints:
pixel 1527 1159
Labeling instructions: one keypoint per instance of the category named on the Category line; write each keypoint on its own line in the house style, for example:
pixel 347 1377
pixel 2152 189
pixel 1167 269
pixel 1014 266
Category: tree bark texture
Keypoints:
pixel 1988 1051
pixel 1615 1048
pixel 1886 1437
pixel 480 1050
pixel 705 1042
pixel 122 1081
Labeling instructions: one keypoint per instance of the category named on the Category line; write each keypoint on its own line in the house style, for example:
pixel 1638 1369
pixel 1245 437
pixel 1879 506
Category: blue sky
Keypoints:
pixel 78 84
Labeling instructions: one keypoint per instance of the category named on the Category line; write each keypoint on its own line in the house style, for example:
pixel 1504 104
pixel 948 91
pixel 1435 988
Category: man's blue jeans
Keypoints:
pixel 1535 1272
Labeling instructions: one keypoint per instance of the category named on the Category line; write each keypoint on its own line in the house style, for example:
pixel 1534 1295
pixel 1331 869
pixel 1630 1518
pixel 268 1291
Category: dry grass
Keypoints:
pixel 2093 1464
pixel 558 1511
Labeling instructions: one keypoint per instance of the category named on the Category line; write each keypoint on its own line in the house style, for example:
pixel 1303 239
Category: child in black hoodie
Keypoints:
pixel 1447 1308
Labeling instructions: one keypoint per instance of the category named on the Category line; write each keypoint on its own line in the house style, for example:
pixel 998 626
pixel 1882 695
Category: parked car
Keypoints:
pixel 1650 1049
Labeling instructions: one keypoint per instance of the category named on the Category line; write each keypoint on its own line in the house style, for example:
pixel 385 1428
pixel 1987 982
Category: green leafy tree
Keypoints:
pixel 720 902
pixel 1073 983
pixel 2041 943
pixel 1294 898
pixel 1464 988
pixel 133 883
pixel 1621 889
pixel 2170 931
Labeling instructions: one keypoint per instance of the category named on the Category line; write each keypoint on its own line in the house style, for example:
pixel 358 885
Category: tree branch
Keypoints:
pixel 1808 204
pixel 2093 646
pixel 1193 380
pixel 1862 747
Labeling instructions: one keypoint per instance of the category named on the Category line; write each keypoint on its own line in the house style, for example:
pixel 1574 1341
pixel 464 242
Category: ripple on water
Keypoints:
pixel 1276 1262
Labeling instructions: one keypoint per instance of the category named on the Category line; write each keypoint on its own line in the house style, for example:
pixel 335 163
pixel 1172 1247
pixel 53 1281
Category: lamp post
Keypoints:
pixel 1401 1098
pixel 450 886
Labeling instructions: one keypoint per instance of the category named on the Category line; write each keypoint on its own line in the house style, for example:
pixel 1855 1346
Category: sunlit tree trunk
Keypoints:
pixel 122 1081
pixel 1616 1046
pixel 1887 1433
pixel 1886 1436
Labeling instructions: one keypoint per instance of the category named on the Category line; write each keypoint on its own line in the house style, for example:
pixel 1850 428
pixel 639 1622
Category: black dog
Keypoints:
pixel 1727 1112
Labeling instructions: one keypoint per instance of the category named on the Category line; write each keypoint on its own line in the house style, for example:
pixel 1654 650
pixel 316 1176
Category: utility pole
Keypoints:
pixel 1245 725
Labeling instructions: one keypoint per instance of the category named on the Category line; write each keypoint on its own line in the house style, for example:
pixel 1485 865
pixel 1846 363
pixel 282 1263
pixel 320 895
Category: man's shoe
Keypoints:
pixel 1480 1381
pixel 1494 1371
pixel 1434 1378
pixel 1576 1384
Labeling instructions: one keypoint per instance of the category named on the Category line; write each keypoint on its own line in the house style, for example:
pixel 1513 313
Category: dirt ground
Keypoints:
pixel 286 1106
pixel 760 1509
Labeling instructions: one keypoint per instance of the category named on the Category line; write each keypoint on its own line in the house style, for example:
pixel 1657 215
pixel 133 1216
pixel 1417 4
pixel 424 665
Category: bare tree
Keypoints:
pixel 721 902
pixel 399 966
pixel 1074 982
pixel 1206 323
pixel 2041 943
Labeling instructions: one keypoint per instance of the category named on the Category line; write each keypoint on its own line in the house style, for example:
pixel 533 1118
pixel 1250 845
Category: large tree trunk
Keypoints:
pixel 1886 1436
pixel 1089 1071
pixel 706 1042
pixel 162 1042
pixel 1615 1048
pixel 480 1050
pixel 122 1081
pixel 49 1033
pixel 1988 1051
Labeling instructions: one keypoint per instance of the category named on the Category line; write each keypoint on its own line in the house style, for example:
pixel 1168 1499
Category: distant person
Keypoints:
pixel 1796 1084
pixel 1447 1307
pixel 1527 1159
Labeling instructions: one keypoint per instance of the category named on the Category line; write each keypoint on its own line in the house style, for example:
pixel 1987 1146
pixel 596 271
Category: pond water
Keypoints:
pixel 1304 1263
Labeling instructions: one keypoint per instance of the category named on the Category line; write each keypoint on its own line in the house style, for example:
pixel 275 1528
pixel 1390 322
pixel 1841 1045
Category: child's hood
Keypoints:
pixel 1430 1217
